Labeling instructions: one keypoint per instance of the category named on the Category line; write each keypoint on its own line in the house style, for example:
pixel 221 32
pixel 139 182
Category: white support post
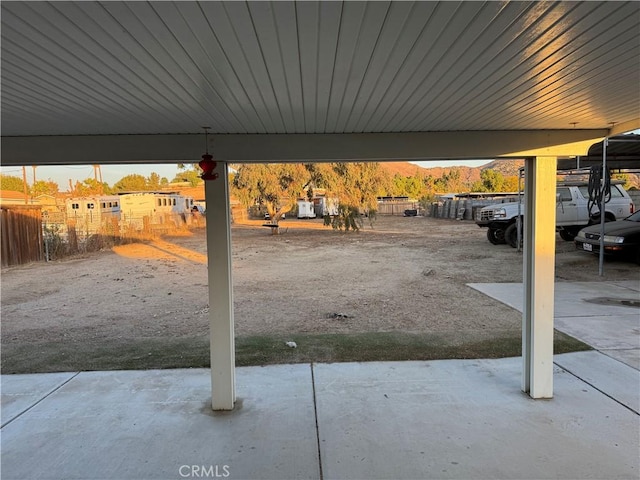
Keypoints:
pixel 221 325
pixel 539 276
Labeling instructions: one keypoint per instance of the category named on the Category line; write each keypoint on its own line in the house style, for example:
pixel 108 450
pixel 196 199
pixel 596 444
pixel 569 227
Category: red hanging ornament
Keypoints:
pixel 207 164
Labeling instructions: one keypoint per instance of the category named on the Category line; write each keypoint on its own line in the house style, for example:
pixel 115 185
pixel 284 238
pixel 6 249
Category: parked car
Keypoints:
pixel 621 238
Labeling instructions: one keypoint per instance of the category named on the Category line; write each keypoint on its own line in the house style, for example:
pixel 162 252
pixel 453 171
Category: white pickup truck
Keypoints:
pixel 572 213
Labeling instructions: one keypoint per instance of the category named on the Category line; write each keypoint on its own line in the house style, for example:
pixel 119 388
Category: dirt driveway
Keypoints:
pixel 405 274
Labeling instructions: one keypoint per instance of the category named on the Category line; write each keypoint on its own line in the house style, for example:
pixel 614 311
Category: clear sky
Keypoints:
pixel 112 173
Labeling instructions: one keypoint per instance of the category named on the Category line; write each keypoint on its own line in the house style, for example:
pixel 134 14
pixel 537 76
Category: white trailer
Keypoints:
pixel 158 207
pixel 305 209
pixel 91 214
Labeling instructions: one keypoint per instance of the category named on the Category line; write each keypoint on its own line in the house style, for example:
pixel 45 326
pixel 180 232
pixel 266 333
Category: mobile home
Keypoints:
pixel 156 207
pixel 91 214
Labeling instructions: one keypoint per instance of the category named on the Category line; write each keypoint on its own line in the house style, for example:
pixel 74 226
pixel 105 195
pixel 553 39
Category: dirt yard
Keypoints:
pixel 406 274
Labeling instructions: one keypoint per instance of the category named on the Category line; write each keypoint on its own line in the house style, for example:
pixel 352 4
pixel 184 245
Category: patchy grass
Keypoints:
pixel 193 352
pixel 132 354
pixel 389 346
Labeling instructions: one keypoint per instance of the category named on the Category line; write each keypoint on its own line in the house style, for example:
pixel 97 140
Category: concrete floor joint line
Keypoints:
pixel 38 401
pixel 604 351
pixel 315 412
pixel 596 388
pixel 626 287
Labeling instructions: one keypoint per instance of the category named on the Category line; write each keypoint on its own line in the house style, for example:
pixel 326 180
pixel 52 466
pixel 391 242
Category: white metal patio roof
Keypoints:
pixel 167 68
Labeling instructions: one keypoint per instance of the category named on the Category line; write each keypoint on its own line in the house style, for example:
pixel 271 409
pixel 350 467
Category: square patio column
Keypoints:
pixel 221 323
pixel 539 276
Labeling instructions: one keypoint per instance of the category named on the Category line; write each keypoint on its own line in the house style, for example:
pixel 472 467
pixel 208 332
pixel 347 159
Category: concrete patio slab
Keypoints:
pixel 467 419
pixel 22 392
pixel 159 424
pixel 597 330
pixel 462 419
pixel 629 357
pixel 630 284
pixel 604 315
pixel 620 382
pixel 571 299
pixel 581 299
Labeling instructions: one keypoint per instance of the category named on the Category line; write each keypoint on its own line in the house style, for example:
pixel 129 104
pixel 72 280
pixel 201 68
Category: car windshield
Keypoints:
pixel 635 217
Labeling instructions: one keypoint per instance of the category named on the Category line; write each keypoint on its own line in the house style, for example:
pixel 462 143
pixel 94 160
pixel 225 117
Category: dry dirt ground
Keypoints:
pixel 405 274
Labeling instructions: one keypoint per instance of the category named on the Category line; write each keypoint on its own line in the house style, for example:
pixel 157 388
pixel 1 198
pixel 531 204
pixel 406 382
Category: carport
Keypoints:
pixel 107 83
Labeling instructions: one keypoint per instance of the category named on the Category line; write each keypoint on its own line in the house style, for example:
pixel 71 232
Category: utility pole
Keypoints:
pixel 97 172
pixel 24 184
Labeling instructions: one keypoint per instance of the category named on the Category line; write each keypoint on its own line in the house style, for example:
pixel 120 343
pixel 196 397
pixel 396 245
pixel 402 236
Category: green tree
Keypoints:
pixel 399 187
pixel 429 188
pixel 131 183
pixel 276 186
pixel 414 187
pixel 490 181
pixel 153 181
pixel 42 187
pixel 510 183
pixel 453 181
pixel 357 185
pixel 189 173
pixel 450 181
pixel 90 186
pixel 9 182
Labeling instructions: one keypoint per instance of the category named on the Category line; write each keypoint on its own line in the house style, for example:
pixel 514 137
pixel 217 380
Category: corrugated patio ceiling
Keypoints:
pixel 121 68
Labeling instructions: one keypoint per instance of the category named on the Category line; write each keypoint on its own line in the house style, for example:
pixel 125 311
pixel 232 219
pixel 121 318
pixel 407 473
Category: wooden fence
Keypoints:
pixel 20 234
pixel 396 207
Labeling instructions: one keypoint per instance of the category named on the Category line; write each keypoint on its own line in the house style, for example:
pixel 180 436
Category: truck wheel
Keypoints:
pixel 495 236
pixel 511 235
pixel 567 235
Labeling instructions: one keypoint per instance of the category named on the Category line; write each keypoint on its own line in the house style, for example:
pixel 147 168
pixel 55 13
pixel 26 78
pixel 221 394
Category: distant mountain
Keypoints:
pixel 405 169
pixel 467 174
pixel 471 174
pixel 508 168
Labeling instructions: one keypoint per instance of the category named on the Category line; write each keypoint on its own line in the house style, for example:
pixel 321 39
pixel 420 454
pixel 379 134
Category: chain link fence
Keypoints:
pixel 65 234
